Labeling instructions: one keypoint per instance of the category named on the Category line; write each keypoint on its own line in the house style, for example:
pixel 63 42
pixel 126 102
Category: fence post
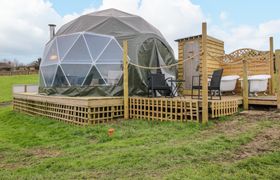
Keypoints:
pixel 272 83
pixel 277 60
pixel 204 75
pixel 125 81
pixel 245 85
pixel 25 88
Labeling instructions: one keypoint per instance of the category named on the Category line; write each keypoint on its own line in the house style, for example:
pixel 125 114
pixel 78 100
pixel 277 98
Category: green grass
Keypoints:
pixel 40 148
pixel 7 82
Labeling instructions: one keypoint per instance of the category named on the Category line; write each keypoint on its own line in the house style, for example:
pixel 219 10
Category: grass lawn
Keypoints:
pixel 239 147
pixel 7 82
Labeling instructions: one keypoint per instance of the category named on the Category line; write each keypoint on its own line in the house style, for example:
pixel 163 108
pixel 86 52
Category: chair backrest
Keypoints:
pixel 216 78
pixel 157 80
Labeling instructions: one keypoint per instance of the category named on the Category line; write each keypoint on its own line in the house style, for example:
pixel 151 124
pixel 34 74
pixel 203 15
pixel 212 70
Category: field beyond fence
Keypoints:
pixel 7 82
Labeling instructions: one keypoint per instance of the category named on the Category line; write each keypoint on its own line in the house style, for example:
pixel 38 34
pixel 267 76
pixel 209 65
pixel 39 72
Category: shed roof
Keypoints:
pixel 198 37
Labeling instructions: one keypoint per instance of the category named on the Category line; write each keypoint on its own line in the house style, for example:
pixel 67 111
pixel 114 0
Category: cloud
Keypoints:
pixel 23 27
pixel 174 18
pixel 24 31
pixel 245 36
pixel 70 17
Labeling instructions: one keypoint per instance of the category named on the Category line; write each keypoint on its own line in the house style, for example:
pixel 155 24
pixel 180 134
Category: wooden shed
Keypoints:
pixel 190 56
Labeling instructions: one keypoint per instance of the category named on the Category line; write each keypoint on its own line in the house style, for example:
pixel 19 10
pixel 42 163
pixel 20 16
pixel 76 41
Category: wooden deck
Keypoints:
pixel 76 110
pixel 263 100
pixel 215 99
pixel 94 110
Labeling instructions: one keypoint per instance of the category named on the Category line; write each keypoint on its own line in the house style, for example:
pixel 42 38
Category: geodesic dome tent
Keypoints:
pixel 85 56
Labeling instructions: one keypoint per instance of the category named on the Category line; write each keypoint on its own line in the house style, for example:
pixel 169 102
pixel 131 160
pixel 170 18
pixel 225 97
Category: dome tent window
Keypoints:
pixel 85 56
pixel 78 61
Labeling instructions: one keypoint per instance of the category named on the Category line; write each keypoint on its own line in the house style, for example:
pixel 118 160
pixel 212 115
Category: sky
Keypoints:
pixel 239 23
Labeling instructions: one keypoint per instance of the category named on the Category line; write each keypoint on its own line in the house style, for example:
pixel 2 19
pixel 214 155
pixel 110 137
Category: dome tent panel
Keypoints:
pixel 78 53
pixel 46 50
pixel 139 24
pixel 60 78
pixel 117 28
pixel 81 24
pixel 41 80
pixel 111 73
pixel 110 13
pixel 96 44
pixel 148 55
pixel 112 53
pixel 51 54
pixel 65 43
pixel 165 58
pixel 48 73
pixel 76 73
pixel 94 78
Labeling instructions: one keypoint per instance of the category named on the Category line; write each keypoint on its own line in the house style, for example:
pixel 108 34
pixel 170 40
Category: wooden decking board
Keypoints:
pixel 263 100
pixel 95 110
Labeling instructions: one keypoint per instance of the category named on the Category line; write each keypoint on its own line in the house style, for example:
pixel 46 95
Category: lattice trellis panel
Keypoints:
pixel 237 56
pixel 258 63
pixel 163 109
pixel 82 115
pixel 223 108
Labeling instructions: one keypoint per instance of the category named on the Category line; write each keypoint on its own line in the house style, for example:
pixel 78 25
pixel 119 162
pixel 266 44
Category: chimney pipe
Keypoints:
pixel 52 30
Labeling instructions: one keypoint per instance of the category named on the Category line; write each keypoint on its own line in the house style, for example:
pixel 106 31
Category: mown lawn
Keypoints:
pixel 7 82
pixel 240 147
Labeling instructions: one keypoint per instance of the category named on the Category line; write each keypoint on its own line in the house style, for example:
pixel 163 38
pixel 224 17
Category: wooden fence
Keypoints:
pixel 19 72
pixel 76 111
pixel 163 109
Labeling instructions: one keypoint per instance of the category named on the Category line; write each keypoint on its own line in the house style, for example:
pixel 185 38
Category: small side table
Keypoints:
pixel 178 86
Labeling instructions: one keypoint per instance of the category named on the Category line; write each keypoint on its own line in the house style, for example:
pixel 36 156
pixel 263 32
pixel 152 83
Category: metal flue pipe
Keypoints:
pixel 52 30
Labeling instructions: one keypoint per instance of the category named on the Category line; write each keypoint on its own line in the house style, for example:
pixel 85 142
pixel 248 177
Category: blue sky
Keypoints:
pixel 242 11
pixel 249 12
pixel 239 23
pixel 65 7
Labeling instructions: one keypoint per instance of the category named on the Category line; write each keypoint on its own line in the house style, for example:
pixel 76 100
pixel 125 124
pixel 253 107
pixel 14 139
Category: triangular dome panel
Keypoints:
pixel 96 44
pixel 60 79
pixel 51 55
pixel 78 53
pixel 94 78
pixel 112 54
pixel 48 73
pixel 76 73
pixel 41 80
pixel 64 43
pixel 111 73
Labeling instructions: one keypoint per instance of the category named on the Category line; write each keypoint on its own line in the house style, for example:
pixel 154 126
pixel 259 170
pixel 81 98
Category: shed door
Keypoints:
pixel 191 66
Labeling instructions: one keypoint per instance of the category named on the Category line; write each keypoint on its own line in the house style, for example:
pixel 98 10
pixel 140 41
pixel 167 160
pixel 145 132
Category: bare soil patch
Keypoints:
pixel 26 161
pixel 245 120
pixel 260 115
pixel 267 140
pixel 44 153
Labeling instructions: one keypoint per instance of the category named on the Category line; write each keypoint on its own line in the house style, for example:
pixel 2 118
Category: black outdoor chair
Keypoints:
pixel 214 86
pixel 157 82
